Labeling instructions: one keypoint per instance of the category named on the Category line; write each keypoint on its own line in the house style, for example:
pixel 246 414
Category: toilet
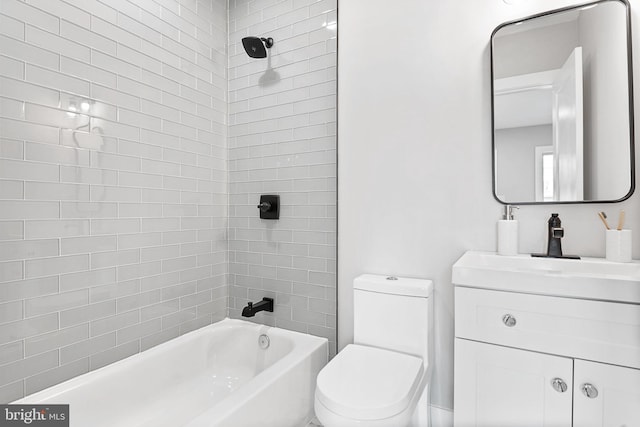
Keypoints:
pixel 382 379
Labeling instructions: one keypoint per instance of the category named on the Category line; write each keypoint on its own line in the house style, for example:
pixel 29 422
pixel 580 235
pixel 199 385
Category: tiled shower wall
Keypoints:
pixel 113 181
pixel 282 140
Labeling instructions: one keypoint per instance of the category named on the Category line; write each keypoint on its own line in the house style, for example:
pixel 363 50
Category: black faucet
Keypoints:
pixel 251 309
pixel 555 233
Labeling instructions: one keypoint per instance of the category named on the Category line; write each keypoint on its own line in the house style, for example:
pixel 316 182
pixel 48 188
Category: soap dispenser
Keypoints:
pixel 508 232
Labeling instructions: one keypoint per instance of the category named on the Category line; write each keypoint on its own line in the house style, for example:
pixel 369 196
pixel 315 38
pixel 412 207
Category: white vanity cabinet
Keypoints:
pixel 616 401
pixel 531 355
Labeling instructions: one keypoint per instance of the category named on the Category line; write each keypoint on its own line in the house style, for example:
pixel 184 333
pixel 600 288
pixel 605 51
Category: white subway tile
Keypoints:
pixel 11 149
pixel 136 149
pixel 27 328
pixel 115 97
pixel 54 340
pixel 11 108
pixel 87 279
pixel 21 249
pixel 139 29
pixel 55 117
pixel 57 44
pixel 9 312
pixel 72 31
pixel 28 367
pixel 38 229
pixel 114 32
pixel 87 72
pixel 139 59
pixel 53 303
pixel 159 25
pixel 23 12
pixel 87 313
pixel 11 352
pixel 115 65
pixel 159 253
pixel 56 154
pixel 53 79
pixel 120 130
pixel 138 240
pixel 114 258
pixel 114 354
pixel 59 8
pixel 11 68
pixel 137 210
pixel 11 189
pixel 55 375
pixel 134 118
pixel 30 131
pixel 55 191
pixel 88 175
pixel 20 209
pixel 156 80
pixel 114 323
pixel 11 230
pixel 114 226
pixel 11 27
pixel 139 89
pixel 88 210
pixel 57 265
pixel 79 245
pixel 86 348
pixel 94 7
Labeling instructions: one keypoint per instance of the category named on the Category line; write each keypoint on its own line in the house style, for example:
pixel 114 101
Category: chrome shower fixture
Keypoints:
pixel 256 47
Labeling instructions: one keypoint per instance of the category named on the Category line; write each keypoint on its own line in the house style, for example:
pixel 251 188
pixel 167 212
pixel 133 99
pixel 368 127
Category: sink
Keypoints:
pixel 588 278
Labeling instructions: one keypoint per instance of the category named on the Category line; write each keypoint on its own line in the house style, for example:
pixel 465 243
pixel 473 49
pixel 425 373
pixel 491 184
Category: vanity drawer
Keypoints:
pixel 585 329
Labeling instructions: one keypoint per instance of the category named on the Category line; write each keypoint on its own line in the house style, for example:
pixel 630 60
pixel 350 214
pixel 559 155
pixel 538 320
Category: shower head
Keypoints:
pixel 255 46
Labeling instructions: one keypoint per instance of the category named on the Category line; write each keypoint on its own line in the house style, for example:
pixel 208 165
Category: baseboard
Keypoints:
pixel 441 417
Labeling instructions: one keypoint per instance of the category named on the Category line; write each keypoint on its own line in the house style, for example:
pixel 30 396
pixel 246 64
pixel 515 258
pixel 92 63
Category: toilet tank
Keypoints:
pixel 393 314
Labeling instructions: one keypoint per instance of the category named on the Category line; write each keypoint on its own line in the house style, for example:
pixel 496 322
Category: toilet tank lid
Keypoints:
pixel 398 286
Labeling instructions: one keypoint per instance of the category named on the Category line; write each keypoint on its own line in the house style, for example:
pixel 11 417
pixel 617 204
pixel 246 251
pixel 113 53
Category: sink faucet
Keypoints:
pixel 556 232
pixel 251 309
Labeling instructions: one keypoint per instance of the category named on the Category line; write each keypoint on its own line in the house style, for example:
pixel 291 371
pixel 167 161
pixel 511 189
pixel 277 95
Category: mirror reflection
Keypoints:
pixel 562 116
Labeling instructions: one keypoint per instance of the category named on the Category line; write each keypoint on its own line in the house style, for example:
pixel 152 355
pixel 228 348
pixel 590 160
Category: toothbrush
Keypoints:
pixel 603 217
pixel 621 220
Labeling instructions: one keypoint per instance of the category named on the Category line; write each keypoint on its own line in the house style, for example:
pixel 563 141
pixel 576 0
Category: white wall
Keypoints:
pixel 415 153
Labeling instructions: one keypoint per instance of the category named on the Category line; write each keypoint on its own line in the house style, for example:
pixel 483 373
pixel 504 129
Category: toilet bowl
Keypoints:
pixel 382 379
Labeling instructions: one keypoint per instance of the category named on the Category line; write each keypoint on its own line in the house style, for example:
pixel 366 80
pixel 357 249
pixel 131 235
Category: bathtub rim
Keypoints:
pixel 305 343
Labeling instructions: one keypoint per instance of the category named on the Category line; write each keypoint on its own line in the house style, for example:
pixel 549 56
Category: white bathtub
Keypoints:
pixel 217 376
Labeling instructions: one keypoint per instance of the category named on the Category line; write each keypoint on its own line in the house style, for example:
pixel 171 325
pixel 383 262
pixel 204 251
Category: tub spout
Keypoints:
pixel 251 309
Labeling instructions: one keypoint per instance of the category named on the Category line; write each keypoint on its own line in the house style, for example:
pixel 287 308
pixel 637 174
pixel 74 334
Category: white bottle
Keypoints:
pixel 508 232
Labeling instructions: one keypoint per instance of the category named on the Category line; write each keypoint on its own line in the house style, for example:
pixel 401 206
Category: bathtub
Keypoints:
pixel 217 376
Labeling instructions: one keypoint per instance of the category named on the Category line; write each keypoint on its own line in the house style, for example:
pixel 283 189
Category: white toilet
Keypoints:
pixel 382 380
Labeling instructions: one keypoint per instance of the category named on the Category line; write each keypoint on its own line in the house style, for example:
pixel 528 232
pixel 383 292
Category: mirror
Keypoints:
pixel 562 106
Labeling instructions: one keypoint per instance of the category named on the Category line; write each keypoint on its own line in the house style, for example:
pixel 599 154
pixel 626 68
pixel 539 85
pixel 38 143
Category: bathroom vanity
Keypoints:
pixel 546 342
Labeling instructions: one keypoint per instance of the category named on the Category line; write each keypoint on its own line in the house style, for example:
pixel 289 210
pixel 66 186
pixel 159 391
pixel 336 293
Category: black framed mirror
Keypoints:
pixel 562 106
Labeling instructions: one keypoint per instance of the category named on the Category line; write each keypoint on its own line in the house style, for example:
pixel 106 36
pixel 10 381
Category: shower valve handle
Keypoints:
pixel 264 206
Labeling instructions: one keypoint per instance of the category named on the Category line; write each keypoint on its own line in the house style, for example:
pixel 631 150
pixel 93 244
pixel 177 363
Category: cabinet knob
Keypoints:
pixel 559 385
pixel 589 390
pixel 509 320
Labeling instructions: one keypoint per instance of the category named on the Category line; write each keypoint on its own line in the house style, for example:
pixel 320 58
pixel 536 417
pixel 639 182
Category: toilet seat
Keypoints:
pixel 368 383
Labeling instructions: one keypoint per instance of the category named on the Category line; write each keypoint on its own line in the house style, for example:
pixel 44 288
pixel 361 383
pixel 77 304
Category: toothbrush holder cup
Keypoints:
pixel 618 246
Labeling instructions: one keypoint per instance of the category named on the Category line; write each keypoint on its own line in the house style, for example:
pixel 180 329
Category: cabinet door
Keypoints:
pixel 606 395
pixel 504 387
